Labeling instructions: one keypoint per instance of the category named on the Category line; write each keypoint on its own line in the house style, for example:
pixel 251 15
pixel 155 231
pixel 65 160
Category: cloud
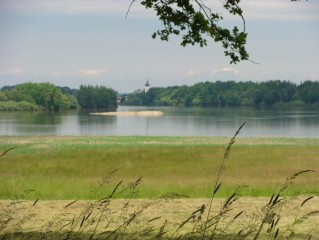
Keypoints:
pixel 85 73
pixel 280 10
pixel 224 70
pixel 253 9
pixel 91 73
pixel 71 6
pixel 13 72
pixel 191 73
pixel 314 76
pixel 266 73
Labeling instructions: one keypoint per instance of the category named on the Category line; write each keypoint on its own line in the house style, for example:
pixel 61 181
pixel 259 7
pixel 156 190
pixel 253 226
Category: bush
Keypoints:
pixel 18 106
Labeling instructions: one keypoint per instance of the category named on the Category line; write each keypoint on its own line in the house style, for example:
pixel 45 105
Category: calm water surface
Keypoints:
pixel 298 123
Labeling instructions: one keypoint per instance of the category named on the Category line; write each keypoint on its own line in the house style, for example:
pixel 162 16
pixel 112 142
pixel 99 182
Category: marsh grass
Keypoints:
pixel 65 168
pixel 207 221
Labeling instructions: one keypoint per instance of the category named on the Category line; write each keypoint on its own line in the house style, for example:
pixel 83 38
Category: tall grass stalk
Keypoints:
pixel 273 209
pixel 217 181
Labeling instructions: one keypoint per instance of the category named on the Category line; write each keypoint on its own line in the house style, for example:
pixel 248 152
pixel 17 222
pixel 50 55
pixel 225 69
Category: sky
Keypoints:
pixel 74 42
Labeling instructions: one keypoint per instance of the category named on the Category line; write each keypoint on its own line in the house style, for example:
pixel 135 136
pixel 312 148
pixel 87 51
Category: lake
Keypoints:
pixel 294 122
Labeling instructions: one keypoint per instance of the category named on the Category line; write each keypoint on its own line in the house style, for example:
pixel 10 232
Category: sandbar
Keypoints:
pixel 135 113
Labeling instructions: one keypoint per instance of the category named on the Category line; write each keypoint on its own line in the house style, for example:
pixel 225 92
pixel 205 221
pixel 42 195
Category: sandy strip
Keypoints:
pixel 137 113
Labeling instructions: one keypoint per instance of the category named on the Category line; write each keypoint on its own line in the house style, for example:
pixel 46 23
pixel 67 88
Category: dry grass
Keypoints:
pixel 173 211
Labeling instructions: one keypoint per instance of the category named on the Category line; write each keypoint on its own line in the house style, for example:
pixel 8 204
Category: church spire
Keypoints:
pixel 147 86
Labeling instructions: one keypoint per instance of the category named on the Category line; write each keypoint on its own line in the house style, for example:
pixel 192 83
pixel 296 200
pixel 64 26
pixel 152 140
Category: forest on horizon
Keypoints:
pixel 46 96
pixel 229 93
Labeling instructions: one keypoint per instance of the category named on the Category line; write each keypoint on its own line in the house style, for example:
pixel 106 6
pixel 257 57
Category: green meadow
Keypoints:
pixel 86 167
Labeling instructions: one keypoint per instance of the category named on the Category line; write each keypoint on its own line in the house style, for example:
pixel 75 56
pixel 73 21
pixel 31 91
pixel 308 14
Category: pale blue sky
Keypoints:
pixel 73 42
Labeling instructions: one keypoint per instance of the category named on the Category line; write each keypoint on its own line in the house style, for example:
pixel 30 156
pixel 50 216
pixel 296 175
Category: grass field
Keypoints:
pixel 78 167
pixel 53 171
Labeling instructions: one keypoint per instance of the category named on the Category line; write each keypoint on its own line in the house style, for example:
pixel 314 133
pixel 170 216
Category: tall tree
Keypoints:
pixel 96 97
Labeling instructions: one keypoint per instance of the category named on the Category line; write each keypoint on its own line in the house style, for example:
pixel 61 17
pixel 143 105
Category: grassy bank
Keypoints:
pixel 79 167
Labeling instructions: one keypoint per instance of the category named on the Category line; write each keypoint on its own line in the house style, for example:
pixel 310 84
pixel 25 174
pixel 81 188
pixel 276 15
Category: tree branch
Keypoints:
pixel 129 8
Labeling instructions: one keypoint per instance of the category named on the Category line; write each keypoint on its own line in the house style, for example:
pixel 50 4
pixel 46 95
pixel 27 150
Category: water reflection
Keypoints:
pixel 29 123
pixel 96 125
pixel 175 122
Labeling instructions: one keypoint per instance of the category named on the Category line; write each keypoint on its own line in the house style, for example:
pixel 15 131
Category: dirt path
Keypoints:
pixel 53 215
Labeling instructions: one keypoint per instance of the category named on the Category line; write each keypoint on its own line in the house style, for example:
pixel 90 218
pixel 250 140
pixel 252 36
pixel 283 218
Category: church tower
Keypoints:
pixel 147 86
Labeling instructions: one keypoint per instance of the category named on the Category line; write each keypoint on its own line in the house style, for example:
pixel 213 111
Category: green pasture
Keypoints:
pixel 83 167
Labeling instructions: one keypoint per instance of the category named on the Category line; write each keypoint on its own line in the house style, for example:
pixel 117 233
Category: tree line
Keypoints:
pixel 229 93
pixel 46 96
